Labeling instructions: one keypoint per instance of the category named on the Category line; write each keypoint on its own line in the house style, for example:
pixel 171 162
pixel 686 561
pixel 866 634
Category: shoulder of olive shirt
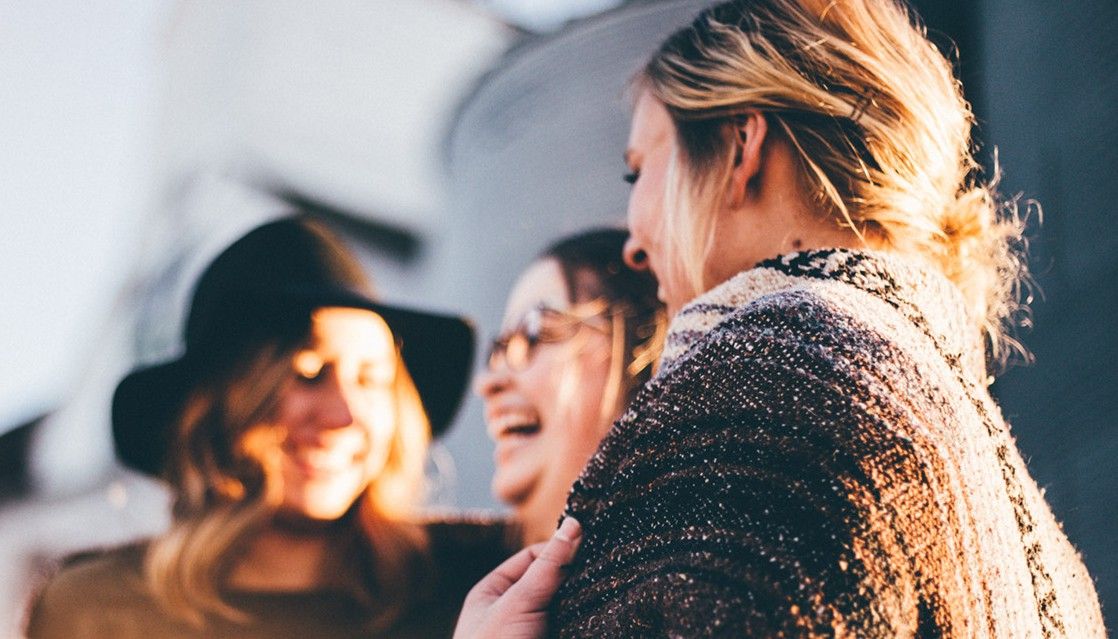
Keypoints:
pixel 102 593
pixel 91 592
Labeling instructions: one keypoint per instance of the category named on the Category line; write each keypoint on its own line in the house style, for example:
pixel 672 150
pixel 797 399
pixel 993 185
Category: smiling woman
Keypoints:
pixel 818 454
pixel 337 419
pixel 293 433
pixel 581 334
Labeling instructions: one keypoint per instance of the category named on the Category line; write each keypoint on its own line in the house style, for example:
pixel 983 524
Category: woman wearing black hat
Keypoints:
pixel 293 433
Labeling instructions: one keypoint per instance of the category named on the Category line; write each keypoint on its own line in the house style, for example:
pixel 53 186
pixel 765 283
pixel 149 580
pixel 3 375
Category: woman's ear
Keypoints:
pixel 749 131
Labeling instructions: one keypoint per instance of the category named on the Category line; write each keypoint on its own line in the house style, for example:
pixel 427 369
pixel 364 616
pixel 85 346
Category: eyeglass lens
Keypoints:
pixel 517 346
pixel 541 324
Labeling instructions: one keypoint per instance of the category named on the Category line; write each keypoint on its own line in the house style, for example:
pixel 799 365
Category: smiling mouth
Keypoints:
pixel 521 430
pixel 320 463
pixel 515 426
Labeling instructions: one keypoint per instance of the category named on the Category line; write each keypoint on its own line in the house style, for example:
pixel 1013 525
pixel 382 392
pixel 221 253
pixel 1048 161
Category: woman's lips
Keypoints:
pixel 506 450
pixel 520 430
pixel 511 422
pixel 512 438
pixel 512 428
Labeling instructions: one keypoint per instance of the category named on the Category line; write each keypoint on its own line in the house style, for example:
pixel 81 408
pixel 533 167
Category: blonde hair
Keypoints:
pixel 876 119
pixel 227 488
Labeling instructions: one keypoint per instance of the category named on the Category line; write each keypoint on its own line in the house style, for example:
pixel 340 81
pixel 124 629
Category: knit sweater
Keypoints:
pixel 818 456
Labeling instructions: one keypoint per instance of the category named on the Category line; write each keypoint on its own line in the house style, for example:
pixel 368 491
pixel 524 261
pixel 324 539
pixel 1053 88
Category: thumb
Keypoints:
pixel 535 589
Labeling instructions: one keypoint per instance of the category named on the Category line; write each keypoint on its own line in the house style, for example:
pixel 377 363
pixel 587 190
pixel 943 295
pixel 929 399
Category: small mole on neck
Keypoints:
pixel 797 244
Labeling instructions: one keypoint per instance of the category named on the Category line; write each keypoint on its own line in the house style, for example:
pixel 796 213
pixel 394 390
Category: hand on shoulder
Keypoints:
pixel 512 601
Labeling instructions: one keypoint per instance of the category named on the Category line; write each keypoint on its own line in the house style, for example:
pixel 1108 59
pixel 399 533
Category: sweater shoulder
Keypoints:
pixel 805 332
pixel 802 315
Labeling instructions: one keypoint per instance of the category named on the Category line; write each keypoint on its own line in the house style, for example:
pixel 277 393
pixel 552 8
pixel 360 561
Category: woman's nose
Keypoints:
pixel 333 404
pixel 492 380
pixel 635 257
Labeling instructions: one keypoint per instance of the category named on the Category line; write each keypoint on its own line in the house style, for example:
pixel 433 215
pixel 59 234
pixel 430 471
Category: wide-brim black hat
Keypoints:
pixel 263 288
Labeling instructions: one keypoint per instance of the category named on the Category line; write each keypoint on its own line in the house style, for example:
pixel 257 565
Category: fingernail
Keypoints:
pixel 569 530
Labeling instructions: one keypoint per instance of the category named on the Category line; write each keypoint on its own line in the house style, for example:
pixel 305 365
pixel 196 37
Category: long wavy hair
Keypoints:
pixel 226 484
pixel 878 123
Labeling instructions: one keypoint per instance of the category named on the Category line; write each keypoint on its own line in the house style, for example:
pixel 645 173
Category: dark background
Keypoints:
pixel 1043 80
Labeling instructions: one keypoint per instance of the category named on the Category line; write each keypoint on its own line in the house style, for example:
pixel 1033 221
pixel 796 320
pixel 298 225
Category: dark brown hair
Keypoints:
pixel 593 269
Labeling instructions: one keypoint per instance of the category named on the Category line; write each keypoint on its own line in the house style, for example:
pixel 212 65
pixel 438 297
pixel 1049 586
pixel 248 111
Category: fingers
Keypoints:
pixel 512 600
pixel 542 578
pixel 497 582
pixel 563 544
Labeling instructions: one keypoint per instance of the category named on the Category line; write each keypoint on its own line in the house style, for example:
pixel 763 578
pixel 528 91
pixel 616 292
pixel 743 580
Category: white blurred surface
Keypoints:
pixel 136 141
pixel 546 15
pixel 78 107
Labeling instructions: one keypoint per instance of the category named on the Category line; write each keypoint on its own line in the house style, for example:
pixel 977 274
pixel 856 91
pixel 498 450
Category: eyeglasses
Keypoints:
pixel 543 325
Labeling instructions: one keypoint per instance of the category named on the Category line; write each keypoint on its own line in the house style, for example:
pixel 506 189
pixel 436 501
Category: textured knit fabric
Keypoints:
pixel 818 456
pixel 102 596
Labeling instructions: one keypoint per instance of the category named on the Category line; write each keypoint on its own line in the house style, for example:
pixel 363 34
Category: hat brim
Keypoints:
pixel 437 350
pixel 145 404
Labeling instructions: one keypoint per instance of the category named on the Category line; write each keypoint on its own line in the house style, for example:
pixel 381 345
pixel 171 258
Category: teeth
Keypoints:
pixel 322 459
pixel 515 424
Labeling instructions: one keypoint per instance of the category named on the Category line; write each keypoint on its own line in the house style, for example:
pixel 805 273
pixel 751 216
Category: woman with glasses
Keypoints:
pixel 818 454
pixel 581 334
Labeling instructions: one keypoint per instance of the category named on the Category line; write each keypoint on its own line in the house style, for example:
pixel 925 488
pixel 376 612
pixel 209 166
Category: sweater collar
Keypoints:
pixel 917 290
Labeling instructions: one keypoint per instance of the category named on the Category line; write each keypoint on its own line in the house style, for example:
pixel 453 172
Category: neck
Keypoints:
pixel 287 558
pixel 772 217
pixel 536 523
pixel 749 239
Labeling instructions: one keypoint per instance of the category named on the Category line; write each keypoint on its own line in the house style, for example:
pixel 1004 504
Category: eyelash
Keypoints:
pixel 631 178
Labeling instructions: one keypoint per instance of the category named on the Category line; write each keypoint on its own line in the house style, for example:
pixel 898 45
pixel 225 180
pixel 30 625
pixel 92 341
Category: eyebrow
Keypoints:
pixel 627 156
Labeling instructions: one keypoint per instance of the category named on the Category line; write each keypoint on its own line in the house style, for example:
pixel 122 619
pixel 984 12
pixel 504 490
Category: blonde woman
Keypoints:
pixel 293 433
pixel 818 454
pixel 581 333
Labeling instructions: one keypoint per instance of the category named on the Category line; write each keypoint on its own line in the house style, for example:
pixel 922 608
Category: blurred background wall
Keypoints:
pixel 449 141
pixel 1048 85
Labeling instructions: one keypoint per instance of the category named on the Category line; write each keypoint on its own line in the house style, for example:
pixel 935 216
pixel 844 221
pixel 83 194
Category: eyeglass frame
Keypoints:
pixel 499 346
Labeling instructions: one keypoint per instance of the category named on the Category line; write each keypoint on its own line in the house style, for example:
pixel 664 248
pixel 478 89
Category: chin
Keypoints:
pixel 511 491
pixel 317 512
pixel 319 505
pixel 324 517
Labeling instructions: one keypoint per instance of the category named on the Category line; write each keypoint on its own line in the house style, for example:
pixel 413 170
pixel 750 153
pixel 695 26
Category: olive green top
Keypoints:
pixel 103 595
